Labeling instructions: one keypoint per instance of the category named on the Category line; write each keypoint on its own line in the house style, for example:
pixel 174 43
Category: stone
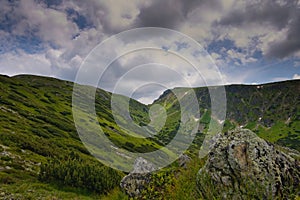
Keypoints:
pixel 183 160
pixel 142 166
pixel 7 167
pixel 135 181
pixel 241 164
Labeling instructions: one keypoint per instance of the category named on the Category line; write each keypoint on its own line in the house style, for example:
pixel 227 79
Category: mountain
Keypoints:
pixel 42 156
pixel 271 110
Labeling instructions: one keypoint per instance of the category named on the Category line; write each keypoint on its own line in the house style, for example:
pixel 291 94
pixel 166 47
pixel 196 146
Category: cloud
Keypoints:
pixel 260 12
pixel 122 15
pixel 49 25
pixel 151 64
pixel 278 79
pixel 22 63
pixel 48 29
pixel 290 45
pixel 296 76
pixel 239 57
pixel 167 14
pixel 274 23
pixel 170 13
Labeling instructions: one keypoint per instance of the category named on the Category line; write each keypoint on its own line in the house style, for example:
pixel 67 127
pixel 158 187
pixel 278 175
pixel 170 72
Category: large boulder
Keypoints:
pixel 241 165
pixel 135 181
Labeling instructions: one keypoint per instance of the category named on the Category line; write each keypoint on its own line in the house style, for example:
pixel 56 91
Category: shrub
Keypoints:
pixel 76 172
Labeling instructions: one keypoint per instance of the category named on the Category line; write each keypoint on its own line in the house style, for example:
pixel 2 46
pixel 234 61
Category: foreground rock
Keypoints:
pixel 184 160
pixel 136 180
pixel 241 165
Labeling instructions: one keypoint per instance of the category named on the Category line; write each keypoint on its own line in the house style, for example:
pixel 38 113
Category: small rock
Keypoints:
pixel 142 166
pixel 7 167
pixel 135 181
pixel 183 160
pixel 5 153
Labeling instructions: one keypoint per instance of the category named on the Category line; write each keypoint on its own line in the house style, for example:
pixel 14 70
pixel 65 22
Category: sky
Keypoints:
pixel 250 42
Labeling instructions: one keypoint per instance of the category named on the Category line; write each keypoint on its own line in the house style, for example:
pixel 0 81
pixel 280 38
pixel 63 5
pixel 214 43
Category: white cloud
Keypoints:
pixel 296 76
pixel 52 25
pixel 278 79
pixel 123 14
pixel 22 63
pixel 65 45
pixel 169 69
pixel 234 55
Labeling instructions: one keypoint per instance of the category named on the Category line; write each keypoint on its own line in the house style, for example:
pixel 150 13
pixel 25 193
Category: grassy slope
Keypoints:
pixel 36 122
pixel 271 110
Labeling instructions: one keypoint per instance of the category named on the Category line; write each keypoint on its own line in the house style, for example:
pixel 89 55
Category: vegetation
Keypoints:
pixel 270 110
pixel 175 183
pixel 42 156
pixel 76 172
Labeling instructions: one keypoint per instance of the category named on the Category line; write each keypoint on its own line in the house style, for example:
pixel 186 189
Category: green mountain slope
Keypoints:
pixel 37 132
pixel 270 110
pixel 36 124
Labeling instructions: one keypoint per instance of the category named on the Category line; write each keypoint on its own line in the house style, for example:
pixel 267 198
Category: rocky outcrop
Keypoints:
pixel 242 165
pixel 136 180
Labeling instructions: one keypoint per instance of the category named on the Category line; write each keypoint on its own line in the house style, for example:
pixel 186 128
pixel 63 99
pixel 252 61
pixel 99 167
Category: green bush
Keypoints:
pixel 76 172
pixel 175 183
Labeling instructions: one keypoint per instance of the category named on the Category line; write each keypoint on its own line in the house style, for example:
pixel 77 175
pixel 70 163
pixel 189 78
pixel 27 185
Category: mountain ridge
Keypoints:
pixel 225 85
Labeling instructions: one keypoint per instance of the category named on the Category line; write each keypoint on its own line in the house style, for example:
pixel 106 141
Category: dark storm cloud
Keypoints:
pixel 290 45
pixel 165 14
pixel 280 15
pixel 170 13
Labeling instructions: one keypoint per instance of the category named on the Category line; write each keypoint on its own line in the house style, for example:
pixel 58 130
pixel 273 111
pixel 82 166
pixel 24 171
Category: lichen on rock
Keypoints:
pixel 242 165
pixel 135 181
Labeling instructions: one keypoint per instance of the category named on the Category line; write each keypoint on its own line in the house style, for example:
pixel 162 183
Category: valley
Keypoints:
pixel 37 133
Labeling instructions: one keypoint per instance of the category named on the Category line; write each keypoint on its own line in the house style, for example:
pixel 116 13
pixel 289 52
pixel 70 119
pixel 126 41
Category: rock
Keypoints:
pixel 183 160
pixel 142 166
pixel 135 181
pixel 242 165
pixel 5 153
pixel 7 167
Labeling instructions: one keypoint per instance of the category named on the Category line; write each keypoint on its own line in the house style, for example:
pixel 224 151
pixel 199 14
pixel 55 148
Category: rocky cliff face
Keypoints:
pixel 242 165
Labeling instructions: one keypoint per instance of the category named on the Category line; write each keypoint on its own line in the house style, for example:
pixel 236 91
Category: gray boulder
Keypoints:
pixel 241 165
pixel 135 181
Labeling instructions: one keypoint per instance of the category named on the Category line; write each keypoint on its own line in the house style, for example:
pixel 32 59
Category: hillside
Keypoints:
pixel 270 110
pixel 37 127
pixel 37 132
